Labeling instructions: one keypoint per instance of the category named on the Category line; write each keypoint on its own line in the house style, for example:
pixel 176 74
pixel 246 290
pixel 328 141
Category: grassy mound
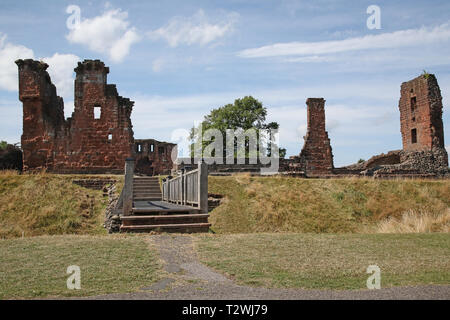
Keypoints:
pixel 48 204
pixel 284 204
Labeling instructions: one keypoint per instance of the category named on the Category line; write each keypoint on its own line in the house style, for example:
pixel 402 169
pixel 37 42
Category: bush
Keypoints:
pixel 10 157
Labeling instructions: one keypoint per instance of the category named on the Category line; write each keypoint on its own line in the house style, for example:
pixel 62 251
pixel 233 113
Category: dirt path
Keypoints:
pixel 186 278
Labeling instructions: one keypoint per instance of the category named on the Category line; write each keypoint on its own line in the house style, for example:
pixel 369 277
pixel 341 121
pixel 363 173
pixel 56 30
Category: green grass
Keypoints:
pixel 48 204
pixel 330 261
pixel 286 204
pixel 36 267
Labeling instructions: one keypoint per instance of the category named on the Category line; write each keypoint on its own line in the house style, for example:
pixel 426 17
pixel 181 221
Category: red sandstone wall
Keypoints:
pixel 316 156
pixel 425 117
pixel 81 143
pixel 43 114
pixel 158 161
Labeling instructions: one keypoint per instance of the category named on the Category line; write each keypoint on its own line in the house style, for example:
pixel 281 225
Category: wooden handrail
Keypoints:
pixel 128 187
pixel 189 188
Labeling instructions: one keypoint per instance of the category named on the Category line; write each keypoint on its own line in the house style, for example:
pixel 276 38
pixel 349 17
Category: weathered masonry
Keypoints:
pixel 422 129
pixel 420 108
pixel 153 157
pixel 316 157
pixel 423 153
pixel 99 135
pixel 96 139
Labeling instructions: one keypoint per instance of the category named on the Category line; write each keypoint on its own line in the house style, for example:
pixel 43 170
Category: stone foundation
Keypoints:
pixel 94 184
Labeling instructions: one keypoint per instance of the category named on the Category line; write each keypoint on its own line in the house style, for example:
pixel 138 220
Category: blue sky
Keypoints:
pixel 179 59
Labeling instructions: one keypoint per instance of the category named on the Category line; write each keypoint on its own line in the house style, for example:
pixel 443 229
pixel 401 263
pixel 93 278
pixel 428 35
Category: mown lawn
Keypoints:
pixel 36 267
pixel 328 260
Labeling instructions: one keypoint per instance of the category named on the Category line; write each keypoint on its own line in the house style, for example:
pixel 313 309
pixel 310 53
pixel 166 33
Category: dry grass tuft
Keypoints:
pixel 415 222
pixel 41 203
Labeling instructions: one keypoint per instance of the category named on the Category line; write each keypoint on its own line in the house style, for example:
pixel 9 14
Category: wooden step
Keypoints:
pixel 138 190
pixel 147 198
pixel 150 194
pixel 164 219
pixel 139 183
pixel 146 187
pixel 179 228
pixel 162 211
pixel 147 195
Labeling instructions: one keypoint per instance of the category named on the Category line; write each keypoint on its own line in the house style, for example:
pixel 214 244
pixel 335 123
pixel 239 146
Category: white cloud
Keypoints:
pixel 311 59
pixel 196 29
pixel 158 64
pixel 286 106
pixel 8 69
pixel 109 33
pixel 448 148
pixel 61 72
pixel 60 67
pixel 397 39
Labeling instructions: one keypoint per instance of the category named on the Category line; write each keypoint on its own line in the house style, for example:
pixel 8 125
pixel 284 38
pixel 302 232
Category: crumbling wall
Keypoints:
pixel 153 157
pixel 316 157
pixel 83 143
pixel 390 158
pixel 422 129
pixel 43 114
pixel 420 108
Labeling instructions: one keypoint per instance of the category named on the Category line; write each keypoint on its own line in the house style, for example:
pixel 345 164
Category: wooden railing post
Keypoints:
pixel 203 187
pixel 183 187
pixel 128 187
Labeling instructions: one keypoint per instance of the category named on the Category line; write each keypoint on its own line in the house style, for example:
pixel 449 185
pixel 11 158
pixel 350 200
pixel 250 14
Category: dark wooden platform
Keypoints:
pixel 149 213
pixel 160 207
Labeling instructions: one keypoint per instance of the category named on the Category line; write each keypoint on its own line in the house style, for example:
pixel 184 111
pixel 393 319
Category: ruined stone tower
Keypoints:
pixel 421 114
pixel 316 157
pixel 96 139
pixel 421 123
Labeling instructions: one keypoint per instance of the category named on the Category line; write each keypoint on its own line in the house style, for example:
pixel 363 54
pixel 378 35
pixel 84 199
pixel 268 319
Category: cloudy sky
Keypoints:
pixel 179 59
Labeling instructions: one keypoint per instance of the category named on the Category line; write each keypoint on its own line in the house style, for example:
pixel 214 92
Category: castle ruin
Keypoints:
pixel 96 139
pixel 423 153
pixel 99 135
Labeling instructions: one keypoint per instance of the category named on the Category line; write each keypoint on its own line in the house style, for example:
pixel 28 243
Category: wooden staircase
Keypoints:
pixel 146 189
pixel 151 214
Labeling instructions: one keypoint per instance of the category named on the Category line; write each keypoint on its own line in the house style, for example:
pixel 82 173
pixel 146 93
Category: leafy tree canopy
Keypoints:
pixel 246 113
pixel 3 145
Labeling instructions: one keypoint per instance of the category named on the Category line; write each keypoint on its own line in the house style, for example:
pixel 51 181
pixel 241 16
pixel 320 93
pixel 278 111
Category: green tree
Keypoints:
pixel 246 113
pixel 3 145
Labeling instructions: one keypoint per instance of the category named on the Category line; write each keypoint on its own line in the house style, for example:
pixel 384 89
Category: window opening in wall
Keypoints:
pixel 414 136
pixel 139 147
pixel 152 147
pixel 413 104
pixel 110 137
pixel 97 112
